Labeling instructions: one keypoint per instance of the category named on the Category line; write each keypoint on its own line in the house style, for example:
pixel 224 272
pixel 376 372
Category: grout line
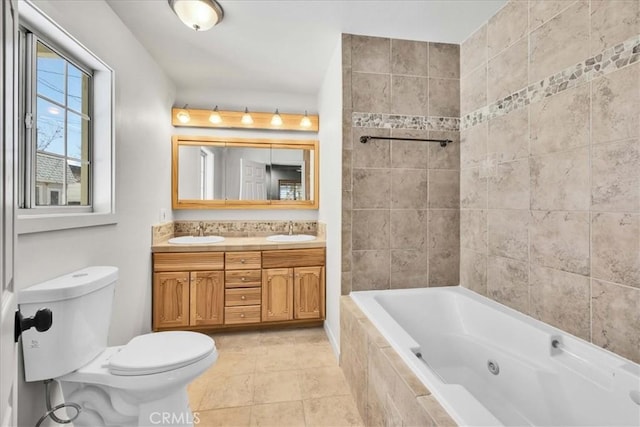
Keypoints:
pixel 590 300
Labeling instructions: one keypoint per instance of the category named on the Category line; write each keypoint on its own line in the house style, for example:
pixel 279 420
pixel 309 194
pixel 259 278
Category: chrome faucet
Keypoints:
pixel 200 229
pixel 290 228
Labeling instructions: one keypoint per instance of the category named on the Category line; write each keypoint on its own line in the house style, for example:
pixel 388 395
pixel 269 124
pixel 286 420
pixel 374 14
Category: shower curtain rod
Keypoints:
pixel 443 142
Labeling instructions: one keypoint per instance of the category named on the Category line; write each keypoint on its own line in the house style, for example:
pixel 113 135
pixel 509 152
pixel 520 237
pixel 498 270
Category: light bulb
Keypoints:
pixel 276 120
pixel 305 122
pixel 215 117
pixel 246 118
pixel 183 115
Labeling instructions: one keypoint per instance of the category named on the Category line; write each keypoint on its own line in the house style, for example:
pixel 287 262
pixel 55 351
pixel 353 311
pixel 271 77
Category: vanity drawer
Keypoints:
pixel 242 296
pixel 243 260
pixel 242 314
pixel 242 278
pixel 293 258
pixel 188 261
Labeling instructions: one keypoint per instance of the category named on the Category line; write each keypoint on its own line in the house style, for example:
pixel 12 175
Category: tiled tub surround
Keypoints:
pixel 400 206
pixel 485 364
pixel 386 392
pixel 550 176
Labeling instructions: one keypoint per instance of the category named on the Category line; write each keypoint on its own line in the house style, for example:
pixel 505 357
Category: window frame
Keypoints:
pixel 103 212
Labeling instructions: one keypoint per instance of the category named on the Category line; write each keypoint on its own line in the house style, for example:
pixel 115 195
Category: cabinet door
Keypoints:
pixel 308 292
pixel 277 294
pixel 170 300
pixel 207 298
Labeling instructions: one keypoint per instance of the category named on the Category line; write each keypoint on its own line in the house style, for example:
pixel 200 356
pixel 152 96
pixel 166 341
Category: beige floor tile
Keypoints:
pixel 316 355
pixel 277 358
pixel 336 411
pixel 233 362
pixel 281 386
pixel 196 391
pixel 236 340
pixel 310 335
pixel 322 382
pixel 284 414
pixel 228 392
pixel 278 337
pixel 228 417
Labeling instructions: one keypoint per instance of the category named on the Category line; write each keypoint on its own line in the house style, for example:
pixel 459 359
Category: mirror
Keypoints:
pixel 234 173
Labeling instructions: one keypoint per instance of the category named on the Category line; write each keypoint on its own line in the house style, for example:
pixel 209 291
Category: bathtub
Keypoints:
pixel 489 365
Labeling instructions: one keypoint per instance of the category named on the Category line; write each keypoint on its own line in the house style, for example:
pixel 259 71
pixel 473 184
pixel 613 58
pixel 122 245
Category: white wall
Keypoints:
pixel 144 97
pixel 330 108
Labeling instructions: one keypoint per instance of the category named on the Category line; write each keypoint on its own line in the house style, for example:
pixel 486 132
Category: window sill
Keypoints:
pixel 27 224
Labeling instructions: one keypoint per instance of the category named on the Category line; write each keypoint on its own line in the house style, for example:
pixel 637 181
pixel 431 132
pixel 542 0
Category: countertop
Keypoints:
pixel 239 244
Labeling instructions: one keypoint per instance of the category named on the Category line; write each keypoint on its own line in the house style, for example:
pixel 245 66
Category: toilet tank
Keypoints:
pixel 81 305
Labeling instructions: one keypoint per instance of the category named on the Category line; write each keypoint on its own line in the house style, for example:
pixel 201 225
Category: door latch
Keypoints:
pixel 42 321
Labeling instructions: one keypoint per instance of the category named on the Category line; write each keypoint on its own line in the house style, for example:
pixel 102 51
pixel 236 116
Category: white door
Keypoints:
pixel 8 352
pixel 253 180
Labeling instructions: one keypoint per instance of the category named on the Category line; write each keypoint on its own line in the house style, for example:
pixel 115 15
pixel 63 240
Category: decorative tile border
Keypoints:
pixel 244 228
pixel 396 121
pixel 606 62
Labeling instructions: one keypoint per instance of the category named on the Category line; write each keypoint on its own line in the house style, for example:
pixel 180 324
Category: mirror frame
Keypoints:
pixel 178 140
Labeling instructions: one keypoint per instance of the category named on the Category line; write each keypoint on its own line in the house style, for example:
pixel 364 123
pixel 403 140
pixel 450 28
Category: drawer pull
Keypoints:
pixel 242 315
pixel 243 297
pixel 244 279
pixel 242 261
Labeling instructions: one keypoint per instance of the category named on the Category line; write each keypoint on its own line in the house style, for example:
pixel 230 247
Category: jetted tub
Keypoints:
pixel 489 365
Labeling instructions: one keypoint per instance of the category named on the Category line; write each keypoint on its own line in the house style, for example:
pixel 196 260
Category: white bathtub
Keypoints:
pixel 447 336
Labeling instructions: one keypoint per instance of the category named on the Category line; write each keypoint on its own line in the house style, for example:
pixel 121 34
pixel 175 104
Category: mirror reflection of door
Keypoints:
pixel 253 180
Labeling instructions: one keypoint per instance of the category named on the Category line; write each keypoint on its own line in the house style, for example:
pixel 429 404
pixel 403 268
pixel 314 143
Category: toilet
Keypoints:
pixel 142 383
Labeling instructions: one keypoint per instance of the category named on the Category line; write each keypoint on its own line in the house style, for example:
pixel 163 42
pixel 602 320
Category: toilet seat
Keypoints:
pixel 160 352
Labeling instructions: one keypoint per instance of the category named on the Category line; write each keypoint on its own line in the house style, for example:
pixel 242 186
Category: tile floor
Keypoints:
pixel 277 378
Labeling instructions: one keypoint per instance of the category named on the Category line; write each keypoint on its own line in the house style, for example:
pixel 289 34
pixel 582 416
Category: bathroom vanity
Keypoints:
pixel 241 283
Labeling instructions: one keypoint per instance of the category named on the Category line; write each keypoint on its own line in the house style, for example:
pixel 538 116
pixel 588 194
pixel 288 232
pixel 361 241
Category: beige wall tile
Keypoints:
pixel 615 103
pixel 346 50
pixel 345 281
pixel 473 51
pixel 507 26
pixel 540 11
pixel 404 373
pixel 409 95
pixel 560 181
pixel 473 146
pixel 615 251
pixel 347 130
pixel 560 240
pixel 370 54
pixel 444 157
pixel 444 60
pixel 444 247
pixel 613 22
pixel 409 154
pixel 473 90
pixel 473 271
pixel 616 318
pixel 444 97
pixel 473 189
pixel 509 136
pixel 473 230
pixel 370 229
pixel 615 176
pixel 508 282
pixel 347 170
pixel 444 189
pixel 347 101
pixel 508 233
pixel 370 270
pixel 560 122
pixel 509 188
pixel 559 43
pixel 371 188
pixel 508 71
pixel 408 189
pixel 409 229
pixel 561 299
pixel 408 268
pixel 409 57
pixel 371 92
pixel 437 413
pixel 375 153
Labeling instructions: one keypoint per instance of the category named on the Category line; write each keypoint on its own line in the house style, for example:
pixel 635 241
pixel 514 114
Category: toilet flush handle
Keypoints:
pixel 42 321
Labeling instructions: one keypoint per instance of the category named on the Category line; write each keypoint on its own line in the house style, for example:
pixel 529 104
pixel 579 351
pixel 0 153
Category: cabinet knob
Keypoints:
pixel 243 279
pixel 242 315
pixel 242 261
pixel 243 297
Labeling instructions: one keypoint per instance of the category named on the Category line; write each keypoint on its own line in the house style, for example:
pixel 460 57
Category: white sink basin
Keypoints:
pixel 196 240
pixel 291 238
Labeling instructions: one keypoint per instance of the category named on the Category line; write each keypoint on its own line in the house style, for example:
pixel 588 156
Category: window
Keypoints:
pixel 66 176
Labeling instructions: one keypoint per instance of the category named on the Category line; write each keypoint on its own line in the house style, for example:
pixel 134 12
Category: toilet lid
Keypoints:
pixel 160 352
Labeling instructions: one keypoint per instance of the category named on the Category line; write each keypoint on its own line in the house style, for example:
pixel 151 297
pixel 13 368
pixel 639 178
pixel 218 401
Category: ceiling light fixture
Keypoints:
pixel 183 115
pixel 246 117
pixel 199 15
pixel 276 120
pixel 305 122
pixel 215 117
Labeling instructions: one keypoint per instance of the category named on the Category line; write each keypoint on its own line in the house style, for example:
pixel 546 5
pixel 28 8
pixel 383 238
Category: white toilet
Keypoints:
pixel 142 383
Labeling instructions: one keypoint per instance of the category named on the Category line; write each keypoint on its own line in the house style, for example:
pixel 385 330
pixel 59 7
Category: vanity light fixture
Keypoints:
pixel 183 115
pixel 215 117
pixel 305 122
pixel 199 15
pixel 276 120
pixel 246 117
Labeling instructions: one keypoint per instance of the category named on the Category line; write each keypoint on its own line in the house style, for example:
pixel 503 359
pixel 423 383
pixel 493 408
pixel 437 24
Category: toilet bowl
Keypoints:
pixel 142 383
